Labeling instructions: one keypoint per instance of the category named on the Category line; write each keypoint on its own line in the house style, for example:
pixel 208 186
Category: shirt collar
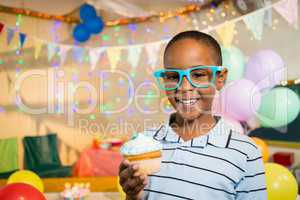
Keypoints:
pixel 218 136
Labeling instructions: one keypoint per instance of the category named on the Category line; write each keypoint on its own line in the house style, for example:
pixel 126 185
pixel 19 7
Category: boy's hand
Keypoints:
pixel 132 181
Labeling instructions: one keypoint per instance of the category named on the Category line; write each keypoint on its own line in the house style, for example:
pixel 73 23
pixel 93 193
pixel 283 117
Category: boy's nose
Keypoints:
pixel 185 85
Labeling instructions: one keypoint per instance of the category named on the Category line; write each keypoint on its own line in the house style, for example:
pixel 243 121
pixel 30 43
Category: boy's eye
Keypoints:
pixel 170 76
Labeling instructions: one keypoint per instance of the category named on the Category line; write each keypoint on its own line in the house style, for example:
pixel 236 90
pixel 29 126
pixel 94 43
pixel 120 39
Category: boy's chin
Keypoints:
pixel 190 116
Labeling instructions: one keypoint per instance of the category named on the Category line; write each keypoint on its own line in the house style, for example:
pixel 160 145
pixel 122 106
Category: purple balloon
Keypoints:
pixel 266 69
pixel 239 100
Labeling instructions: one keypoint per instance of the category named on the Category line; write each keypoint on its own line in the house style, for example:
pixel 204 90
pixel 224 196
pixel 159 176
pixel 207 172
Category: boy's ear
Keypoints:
pixel 221 79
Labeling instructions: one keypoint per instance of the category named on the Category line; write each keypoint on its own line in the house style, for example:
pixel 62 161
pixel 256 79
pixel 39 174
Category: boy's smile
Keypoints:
pixel 189 101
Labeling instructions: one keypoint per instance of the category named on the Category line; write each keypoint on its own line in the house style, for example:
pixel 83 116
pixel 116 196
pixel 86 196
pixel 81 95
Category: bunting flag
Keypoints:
pixel 38 46
pixel 95 55
pixel 152 52
pixel 226 33
pixel 63 51
pixel 134 53
pixel 78 54
pixel 51 51
pixel 114 56
pixel 268 14
pixel 22 38
pixel 255 23
pixel 1 27
pixel 10 35
pixel 288 9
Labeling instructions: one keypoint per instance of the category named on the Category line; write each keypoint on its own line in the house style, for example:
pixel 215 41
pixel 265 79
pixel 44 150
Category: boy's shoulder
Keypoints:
pixel 244 144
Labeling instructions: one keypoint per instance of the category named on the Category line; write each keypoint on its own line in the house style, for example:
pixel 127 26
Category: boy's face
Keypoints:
pixel 191 102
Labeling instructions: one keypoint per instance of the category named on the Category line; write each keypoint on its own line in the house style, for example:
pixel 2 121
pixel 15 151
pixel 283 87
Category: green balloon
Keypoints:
pixel 278 107
pixel 234 60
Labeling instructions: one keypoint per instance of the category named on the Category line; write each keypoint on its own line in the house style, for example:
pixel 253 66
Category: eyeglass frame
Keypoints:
pixel 186 73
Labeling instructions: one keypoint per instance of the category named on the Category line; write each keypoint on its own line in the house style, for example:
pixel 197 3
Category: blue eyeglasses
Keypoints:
pixel 199 77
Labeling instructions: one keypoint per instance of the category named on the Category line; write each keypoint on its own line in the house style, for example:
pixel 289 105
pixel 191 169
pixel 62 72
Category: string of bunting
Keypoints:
pixel 288 9
pixel 162 16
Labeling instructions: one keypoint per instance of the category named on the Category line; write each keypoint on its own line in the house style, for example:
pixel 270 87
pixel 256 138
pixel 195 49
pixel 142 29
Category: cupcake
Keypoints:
pixel 144 151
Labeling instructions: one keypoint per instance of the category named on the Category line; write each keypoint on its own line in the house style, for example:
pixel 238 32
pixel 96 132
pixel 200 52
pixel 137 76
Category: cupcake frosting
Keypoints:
pixel 140 144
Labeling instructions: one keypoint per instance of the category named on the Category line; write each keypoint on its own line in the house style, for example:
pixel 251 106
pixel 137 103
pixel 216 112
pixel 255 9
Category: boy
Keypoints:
pixel 202 157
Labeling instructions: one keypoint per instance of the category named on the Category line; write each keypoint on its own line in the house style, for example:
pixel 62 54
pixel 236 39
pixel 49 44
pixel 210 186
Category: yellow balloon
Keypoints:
pixel 122 193
pixel 28 177
pixel 281 184
pixel 262 145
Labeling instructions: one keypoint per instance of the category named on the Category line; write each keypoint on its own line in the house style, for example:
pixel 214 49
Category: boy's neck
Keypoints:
pixel 188 130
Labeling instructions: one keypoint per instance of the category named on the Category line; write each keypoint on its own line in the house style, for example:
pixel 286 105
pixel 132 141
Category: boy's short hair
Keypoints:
pixel 200 37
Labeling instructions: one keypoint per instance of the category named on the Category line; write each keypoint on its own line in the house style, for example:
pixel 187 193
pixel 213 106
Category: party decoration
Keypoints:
pixel 94 56
pixel 114 56
pixel 20 191
pixel 234 61
pixel 28 177
pixel 226 33
pixel 255 23
pixel 81 33
pixel 1 27
pixel 38 46
pixel 152 52
pixel 10 35
pixel 281 184
pixel 266 69
pixel 22 38
pixel 279 107
pixel 262 145
pixel 51 51
pixel 239 100
pixel 63 53
pixel 288 9
pixel 87 12
pixel 95 25
pixel 134 53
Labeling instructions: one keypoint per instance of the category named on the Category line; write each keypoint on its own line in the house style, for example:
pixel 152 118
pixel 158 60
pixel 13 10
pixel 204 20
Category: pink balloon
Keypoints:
pixel 266 69
pixel 239 100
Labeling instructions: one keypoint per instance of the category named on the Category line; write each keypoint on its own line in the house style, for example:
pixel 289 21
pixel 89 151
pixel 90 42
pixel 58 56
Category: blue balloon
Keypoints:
pixel 87 12
pixel 81 33
pixel 95 25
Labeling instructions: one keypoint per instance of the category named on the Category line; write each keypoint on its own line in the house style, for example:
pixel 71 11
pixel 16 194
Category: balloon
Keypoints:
pixel 28 177
pixel 81 33
pixel 279 107
pixel 95 25
pixel 263 148
pixel 120 189
pixel 266 69
pixel 20 191
pixel 239 100
pixel 234 61
pixel 281 184
pixel 87 12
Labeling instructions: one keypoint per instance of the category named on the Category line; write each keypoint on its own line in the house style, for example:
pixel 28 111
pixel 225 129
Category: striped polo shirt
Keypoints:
pixel 217 166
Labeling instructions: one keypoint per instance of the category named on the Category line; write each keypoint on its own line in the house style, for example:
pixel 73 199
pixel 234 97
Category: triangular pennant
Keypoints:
pixel 1 27
pixel 95 55
pixel 226 33
pixel 268 15
pixel 38 46
pixel 22 38
pixel 152 52
pixel 134 53
pixel 64 49
pixel 114 56
pixel 255 23
pixel 288 9
pixel 51 51
pixel 10 35
pixel 78 54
